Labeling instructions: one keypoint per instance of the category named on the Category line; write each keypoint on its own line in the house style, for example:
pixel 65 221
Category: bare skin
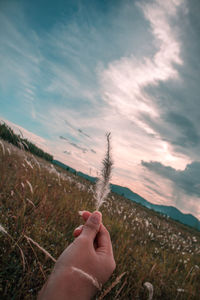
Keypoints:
pixel 90 252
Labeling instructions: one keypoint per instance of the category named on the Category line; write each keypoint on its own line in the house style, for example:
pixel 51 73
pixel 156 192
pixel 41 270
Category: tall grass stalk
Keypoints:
pixel 114 283
pixel 3 149
pixel 41 248
pixel 102 188
pixel 3 230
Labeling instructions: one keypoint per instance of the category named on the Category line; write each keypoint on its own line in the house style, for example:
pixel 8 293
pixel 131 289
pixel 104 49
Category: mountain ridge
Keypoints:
pixel 170 211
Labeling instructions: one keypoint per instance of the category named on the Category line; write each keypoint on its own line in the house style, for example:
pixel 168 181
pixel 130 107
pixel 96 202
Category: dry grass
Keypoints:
pixel 41 202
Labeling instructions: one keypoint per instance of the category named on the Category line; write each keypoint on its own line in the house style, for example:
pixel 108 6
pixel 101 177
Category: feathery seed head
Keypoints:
pixel 103 183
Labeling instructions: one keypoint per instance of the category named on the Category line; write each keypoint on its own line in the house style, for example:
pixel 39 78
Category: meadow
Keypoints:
pixel 39 211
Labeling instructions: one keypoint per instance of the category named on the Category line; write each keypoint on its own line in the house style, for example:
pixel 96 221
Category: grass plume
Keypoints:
pixel 39 247
pixel 102 188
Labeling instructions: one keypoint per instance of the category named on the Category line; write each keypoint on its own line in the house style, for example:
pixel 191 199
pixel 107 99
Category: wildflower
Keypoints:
pixel 180 290
pixel 194 239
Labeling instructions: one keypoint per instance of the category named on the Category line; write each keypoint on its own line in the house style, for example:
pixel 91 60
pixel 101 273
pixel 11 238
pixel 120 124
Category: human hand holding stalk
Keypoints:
pixel 102 187
pixel 88 262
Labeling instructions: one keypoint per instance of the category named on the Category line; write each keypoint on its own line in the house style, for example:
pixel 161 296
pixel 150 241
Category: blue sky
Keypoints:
pixel 73 70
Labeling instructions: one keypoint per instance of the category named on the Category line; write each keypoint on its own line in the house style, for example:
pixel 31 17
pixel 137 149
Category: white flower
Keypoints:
pixel 180 290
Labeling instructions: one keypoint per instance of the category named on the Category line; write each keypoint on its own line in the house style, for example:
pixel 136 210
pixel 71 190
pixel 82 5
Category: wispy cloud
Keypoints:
pixel 82 132
pixel 123 82
pixel 20 58
pixel 67 152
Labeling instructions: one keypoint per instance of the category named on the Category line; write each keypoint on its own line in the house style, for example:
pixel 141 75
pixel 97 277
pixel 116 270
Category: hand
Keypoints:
pixel 91 252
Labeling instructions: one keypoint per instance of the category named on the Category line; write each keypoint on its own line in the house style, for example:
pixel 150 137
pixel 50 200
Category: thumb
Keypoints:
pixel 91 227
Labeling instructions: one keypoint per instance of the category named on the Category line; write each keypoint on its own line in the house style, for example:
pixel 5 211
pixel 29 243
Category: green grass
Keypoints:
pixel 147 246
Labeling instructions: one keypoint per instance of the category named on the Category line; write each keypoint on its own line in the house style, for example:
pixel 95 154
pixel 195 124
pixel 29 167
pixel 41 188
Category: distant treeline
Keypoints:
pixel 8 134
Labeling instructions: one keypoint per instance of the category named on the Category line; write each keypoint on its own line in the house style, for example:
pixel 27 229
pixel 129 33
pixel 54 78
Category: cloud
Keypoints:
pixel 183 186
pixel 174 128
pixel 63 138
pixel 177 122
pixel 160 194
pixel 82 132
pixel 124 80
pixel 67 152
pixel 20 57
pixel 84 150
pixel 189 134
pixel 188 180
pixel 76 129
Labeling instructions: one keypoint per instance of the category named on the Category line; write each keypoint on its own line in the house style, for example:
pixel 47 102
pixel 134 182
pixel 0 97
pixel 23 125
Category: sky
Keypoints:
pixel 70 71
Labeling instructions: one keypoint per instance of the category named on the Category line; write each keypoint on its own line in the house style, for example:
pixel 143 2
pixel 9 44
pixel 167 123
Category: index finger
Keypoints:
pixel 103 237
pixel 85 214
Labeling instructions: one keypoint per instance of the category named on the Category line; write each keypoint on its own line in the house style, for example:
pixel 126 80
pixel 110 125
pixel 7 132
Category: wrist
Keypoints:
pixel 70 284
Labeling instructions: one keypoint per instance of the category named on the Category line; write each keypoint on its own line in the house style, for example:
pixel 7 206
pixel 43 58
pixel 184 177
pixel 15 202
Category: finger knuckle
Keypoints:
pixel 91 227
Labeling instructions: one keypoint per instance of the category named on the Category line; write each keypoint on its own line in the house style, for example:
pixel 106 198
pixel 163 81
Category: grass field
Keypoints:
pixel 40 204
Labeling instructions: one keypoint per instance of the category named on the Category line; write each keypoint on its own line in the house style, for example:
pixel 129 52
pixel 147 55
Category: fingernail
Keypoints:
pixel 96 217
pixel 79 227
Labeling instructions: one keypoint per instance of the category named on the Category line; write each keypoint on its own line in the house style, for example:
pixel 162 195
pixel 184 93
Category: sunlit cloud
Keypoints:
pixel 123 82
